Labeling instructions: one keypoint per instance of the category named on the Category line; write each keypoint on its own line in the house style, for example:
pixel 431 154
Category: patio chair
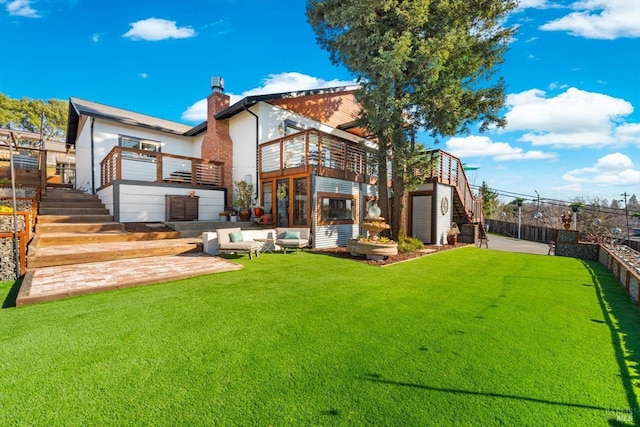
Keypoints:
pixel 293 238
pixel 230 240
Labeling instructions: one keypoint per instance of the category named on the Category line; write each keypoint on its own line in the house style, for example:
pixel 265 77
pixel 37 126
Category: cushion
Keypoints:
pixel 291 235
pixel 236 236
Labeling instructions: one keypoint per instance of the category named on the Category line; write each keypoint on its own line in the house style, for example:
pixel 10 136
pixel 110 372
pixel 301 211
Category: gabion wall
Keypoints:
pixel 7 260
pixel 20 192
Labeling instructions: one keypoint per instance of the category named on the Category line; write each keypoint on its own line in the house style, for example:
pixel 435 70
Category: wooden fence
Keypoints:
pixel 527 232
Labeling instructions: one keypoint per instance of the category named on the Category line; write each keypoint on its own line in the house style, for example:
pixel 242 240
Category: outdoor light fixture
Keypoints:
pixel 281 128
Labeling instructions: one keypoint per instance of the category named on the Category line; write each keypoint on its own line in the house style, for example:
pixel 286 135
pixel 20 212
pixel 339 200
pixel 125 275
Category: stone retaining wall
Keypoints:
pixel 7 260
pixel 623 271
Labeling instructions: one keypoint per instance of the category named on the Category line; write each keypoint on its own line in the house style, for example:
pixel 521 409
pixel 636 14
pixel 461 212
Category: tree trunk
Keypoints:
pixel 399 225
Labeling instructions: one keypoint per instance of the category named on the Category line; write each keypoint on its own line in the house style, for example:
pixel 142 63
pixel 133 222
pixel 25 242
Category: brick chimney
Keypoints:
pixel 217 144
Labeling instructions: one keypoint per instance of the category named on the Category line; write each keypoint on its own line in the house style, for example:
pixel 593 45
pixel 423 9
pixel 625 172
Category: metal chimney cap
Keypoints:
pixel 217 84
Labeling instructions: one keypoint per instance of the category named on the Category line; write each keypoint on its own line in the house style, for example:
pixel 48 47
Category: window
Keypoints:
pixel 337 208
pixel 138 143
pixel 300 201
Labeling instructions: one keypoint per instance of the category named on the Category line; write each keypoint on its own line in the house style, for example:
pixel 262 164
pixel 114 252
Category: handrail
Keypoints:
pixel 450 170
pixel 130 163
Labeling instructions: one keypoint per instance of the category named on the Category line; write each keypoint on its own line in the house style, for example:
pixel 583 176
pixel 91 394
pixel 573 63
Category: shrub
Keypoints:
pixel 6 209
pixel 409 244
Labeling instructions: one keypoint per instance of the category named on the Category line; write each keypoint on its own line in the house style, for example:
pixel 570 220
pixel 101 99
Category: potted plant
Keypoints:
pixel 452 235
pixel 576 206
pixel 233 216
pixel 224 216
pixel 242 195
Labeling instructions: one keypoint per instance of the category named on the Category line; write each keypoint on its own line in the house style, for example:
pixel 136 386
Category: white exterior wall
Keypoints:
pixel 271 116
pixel 145 203
pixel 443 221
pixel 83 158
pixel 242 129
pixel 106 136
pixel 107 198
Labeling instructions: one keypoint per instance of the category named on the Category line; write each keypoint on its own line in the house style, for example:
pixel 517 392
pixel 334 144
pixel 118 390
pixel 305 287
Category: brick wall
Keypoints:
pixel 217 144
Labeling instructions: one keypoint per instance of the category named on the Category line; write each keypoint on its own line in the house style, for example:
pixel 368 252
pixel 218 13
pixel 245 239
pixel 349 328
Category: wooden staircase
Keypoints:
pixel 76 228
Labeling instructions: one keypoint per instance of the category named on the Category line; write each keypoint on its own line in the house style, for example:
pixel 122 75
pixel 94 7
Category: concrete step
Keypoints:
pixel 55 239
pixel 48 256
pixel 73 211
pixel 79 227
pixel 53 219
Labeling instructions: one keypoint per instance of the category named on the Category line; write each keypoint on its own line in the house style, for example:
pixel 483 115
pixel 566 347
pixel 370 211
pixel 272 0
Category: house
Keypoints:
pixel 308 161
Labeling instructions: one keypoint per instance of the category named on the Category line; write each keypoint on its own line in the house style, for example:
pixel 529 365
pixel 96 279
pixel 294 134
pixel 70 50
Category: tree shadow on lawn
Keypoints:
pixel 623 319
pixel 12 296
pixel 376 378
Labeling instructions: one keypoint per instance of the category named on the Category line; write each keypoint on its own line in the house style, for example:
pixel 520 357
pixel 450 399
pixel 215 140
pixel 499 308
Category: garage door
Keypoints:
pixel 421 218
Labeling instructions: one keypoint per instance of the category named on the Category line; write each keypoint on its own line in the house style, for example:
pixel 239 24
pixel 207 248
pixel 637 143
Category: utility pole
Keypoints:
pixel 626 214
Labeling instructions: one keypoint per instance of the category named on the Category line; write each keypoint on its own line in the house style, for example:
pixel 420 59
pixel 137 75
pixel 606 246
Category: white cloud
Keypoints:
pixel 144 75
pixel 600 19
pixel 154 29
pixel 274 83
pixel 95 38
pixel 22 8
pixel 572 119
pixel 482 146
pixel 612 169
pixel 533 4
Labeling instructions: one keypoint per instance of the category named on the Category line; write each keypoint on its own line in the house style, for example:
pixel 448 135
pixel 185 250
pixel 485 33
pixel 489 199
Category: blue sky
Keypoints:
pixel 573 75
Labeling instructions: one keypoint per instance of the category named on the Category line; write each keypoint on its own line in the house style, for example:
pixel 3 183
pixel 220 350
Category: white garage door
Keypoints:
pixel 421 218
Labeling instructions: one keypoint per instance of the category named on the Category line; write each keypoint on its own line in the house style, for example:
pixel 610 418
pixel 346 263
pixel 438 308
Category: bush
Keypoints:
pixel 6 209
pixel 409 244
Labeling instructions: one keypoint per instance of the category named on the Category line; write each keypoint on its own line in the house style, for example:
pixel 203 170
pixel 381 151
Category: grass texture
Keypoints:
pixel 464 337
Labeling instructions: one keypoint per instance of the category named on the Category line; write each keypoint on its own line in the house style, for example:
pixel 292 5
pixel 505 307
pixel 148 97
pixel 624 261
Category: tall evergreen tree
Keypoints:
pixel 422 65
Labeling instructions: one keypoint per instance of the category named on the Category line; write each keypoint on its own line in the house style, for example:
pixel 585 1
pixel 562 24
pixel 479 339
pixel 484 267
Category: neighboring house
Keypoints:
pixel 308 162
pixel 37 160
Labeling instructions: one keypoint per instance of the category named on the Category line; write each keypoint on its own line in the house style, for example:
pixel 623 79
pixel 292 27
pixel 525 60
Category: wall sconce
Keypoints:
pixel 281 129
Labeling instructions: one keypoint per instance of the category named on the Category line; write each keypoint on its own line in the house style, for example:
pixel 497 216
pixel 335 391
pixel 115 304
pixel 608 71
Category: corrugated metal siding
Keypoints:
pixel 329 236
pixel 339 186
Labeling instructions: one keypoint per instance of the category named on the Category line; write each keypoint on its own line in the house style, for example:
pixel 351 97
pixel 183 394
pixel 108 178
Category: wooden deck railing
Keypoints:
pixel 312 149
pixel 140 165
pixel 450 171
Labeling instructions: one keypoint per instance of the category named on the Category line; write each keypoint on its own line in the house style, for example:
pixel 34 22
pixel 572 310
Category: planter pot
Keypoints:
pixel 452 239
pixel 258 212
pixel 224 218
pixel 233 218
pixel 245 215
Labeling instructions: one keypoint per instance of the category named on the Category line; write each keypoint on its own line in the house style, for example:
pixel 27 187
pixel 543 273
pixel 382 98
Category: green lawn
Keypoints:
pixel 464 337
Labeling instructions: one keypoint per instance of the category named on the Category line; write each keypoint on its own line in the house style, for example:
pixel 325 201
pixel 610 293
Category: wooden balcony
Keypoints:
pixel 139 165
pixel 313 151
